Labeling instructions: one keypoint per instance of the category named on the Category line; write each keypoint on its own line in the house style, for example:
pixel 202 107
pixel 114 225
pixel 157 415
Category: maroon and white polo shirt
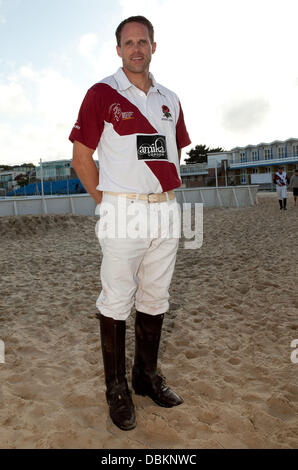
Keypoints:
pixel 137 135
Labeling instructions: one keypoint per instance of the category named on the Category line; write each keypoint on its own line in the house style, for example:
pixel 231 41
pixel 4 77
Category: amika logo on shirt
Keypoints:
pixel 118 114
pixel 151 147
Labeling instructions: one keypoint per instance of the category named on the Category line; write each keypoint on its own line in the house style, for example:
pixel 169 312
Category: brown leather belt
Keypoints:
pixel 152 197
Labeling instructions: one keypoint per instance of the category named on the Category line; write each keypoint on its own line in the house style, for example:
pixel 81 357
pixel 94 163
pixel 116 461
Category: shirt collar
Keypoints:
pixel 122 80
pixel 124 83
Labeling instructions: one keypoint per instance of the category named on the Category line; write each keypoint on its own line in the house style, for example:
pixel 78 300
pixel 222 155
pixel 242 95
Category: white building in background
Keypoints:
pixel 193 175
pixel 7 177
pixel 252 164
pixel 55 170
pixel 256 164
pixel 215 159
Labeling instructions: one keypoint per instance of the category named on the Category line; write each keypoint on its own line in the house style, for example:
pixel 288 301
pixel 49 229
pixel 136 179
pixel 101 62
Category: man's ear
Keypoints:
pixel 153 47
pixel 118 49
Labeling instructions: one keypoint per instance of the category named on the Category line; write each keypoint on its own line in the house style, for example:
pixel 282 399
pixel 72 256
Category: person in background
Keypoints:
pixel 294 185
pixel 281 181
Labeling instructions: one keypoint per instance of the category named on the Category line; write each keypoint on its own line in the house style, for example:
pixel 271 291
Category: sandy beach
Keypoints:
pixel 226 341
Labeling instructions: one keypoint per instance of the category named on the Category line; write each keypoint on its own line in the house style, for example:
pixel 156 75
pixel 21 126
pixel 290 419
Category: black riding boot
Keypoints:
pixel 145 379
pixel 280 203
pixel 113 352
pixel 285 203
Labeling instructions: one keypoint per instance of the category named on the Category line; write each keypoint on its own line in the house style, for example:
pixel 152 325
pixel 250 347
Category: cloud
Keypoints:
pixel 30 142
pixel 48 103
pixel 13 101
pixel 87 44
pixel 101 61
pixel 245 115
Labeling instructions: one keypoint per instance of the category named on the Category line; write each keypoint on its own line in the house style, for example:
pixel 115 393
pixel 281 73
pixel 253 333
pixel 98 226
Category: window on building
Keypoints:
pixel 255 170
pixel 267 169
pixel 235 158
pixel 267 154
pixel 6 178
pixel 242 157
pixel 243 177
pixel 281 152
pixel 295 150
pixel 254 154
pixel 49 172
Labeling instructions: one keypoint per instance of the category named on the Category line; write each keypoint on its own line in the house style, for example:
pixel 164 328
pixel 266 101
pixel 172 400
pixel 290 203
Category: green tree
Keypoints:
pixel 21 179
pixel 199 154
pixel 11 167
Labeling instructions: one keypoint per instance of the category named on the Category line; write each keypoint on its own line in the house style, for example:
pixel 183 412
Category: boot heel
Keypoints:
pixel 139 389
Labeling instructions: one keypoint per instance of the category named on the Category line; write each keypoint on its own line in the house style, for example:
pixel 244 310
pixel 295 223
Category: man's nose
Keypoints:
pixel 136 47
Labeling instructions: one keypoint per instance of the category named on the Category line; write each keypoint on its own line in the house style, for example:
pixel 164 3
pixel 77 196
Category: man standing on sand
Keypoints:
pixel 137 125
pixel 281 180
pixel 294 185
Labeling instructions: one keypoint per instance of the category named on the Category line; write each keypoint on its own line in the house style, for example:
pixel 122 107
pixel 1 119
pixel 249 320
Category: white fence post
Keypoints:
pixel 250 196
pixel 236 199
pixel 15 208
pixel 219 198
pixel 72 206
pixel 44 206
pixel 202 197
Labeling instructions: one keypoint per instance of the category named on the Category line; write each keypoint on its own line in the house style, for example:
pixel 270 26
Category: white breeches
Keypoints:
pixel 136 270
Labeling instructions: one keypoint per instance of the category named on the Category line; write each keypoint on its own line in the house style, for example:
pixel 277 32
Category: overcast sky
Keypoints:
pixel 233 64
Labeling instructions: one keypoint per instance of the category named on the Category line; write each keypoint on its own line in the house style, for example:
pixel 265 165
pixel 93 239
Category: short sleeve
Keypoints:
pixel 182 137
pixel 90 123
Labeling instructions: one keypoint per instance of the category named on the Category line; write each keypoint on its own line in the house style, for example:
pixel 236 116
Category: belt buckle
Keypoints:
pixel 154 197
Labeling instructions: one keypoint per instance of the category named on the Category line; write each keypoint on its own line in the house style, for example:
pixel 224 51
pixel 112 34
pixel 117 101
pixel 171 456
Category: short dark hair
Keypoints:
pixel 296 169
pixel 135 19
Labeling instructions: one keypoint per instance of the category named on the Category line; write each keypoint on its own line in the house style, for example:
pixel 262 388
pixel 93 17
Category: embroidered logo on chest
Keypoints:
pixel 116 111
pixel 166 113
pixel 127 115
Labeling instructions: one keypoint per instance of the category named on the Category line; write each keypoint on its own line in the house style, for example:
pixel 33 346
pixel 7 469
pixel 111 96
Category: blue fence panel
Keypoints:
pixel 72 186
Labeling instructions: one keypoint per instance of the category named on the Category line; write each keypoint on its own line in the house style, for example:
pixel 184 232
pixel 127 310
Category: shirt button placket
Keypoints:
pixel 144 102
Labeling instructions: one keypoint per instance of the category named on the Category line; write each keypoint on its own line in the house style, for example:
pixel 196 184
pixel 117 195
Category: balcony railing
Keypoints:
pixel 271 159
pixel 194 169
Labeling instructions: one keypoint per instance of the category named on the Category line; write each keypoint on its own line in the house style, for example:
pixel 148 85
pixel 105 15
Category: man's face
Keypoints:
pixel 135 48
pixel 280 170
